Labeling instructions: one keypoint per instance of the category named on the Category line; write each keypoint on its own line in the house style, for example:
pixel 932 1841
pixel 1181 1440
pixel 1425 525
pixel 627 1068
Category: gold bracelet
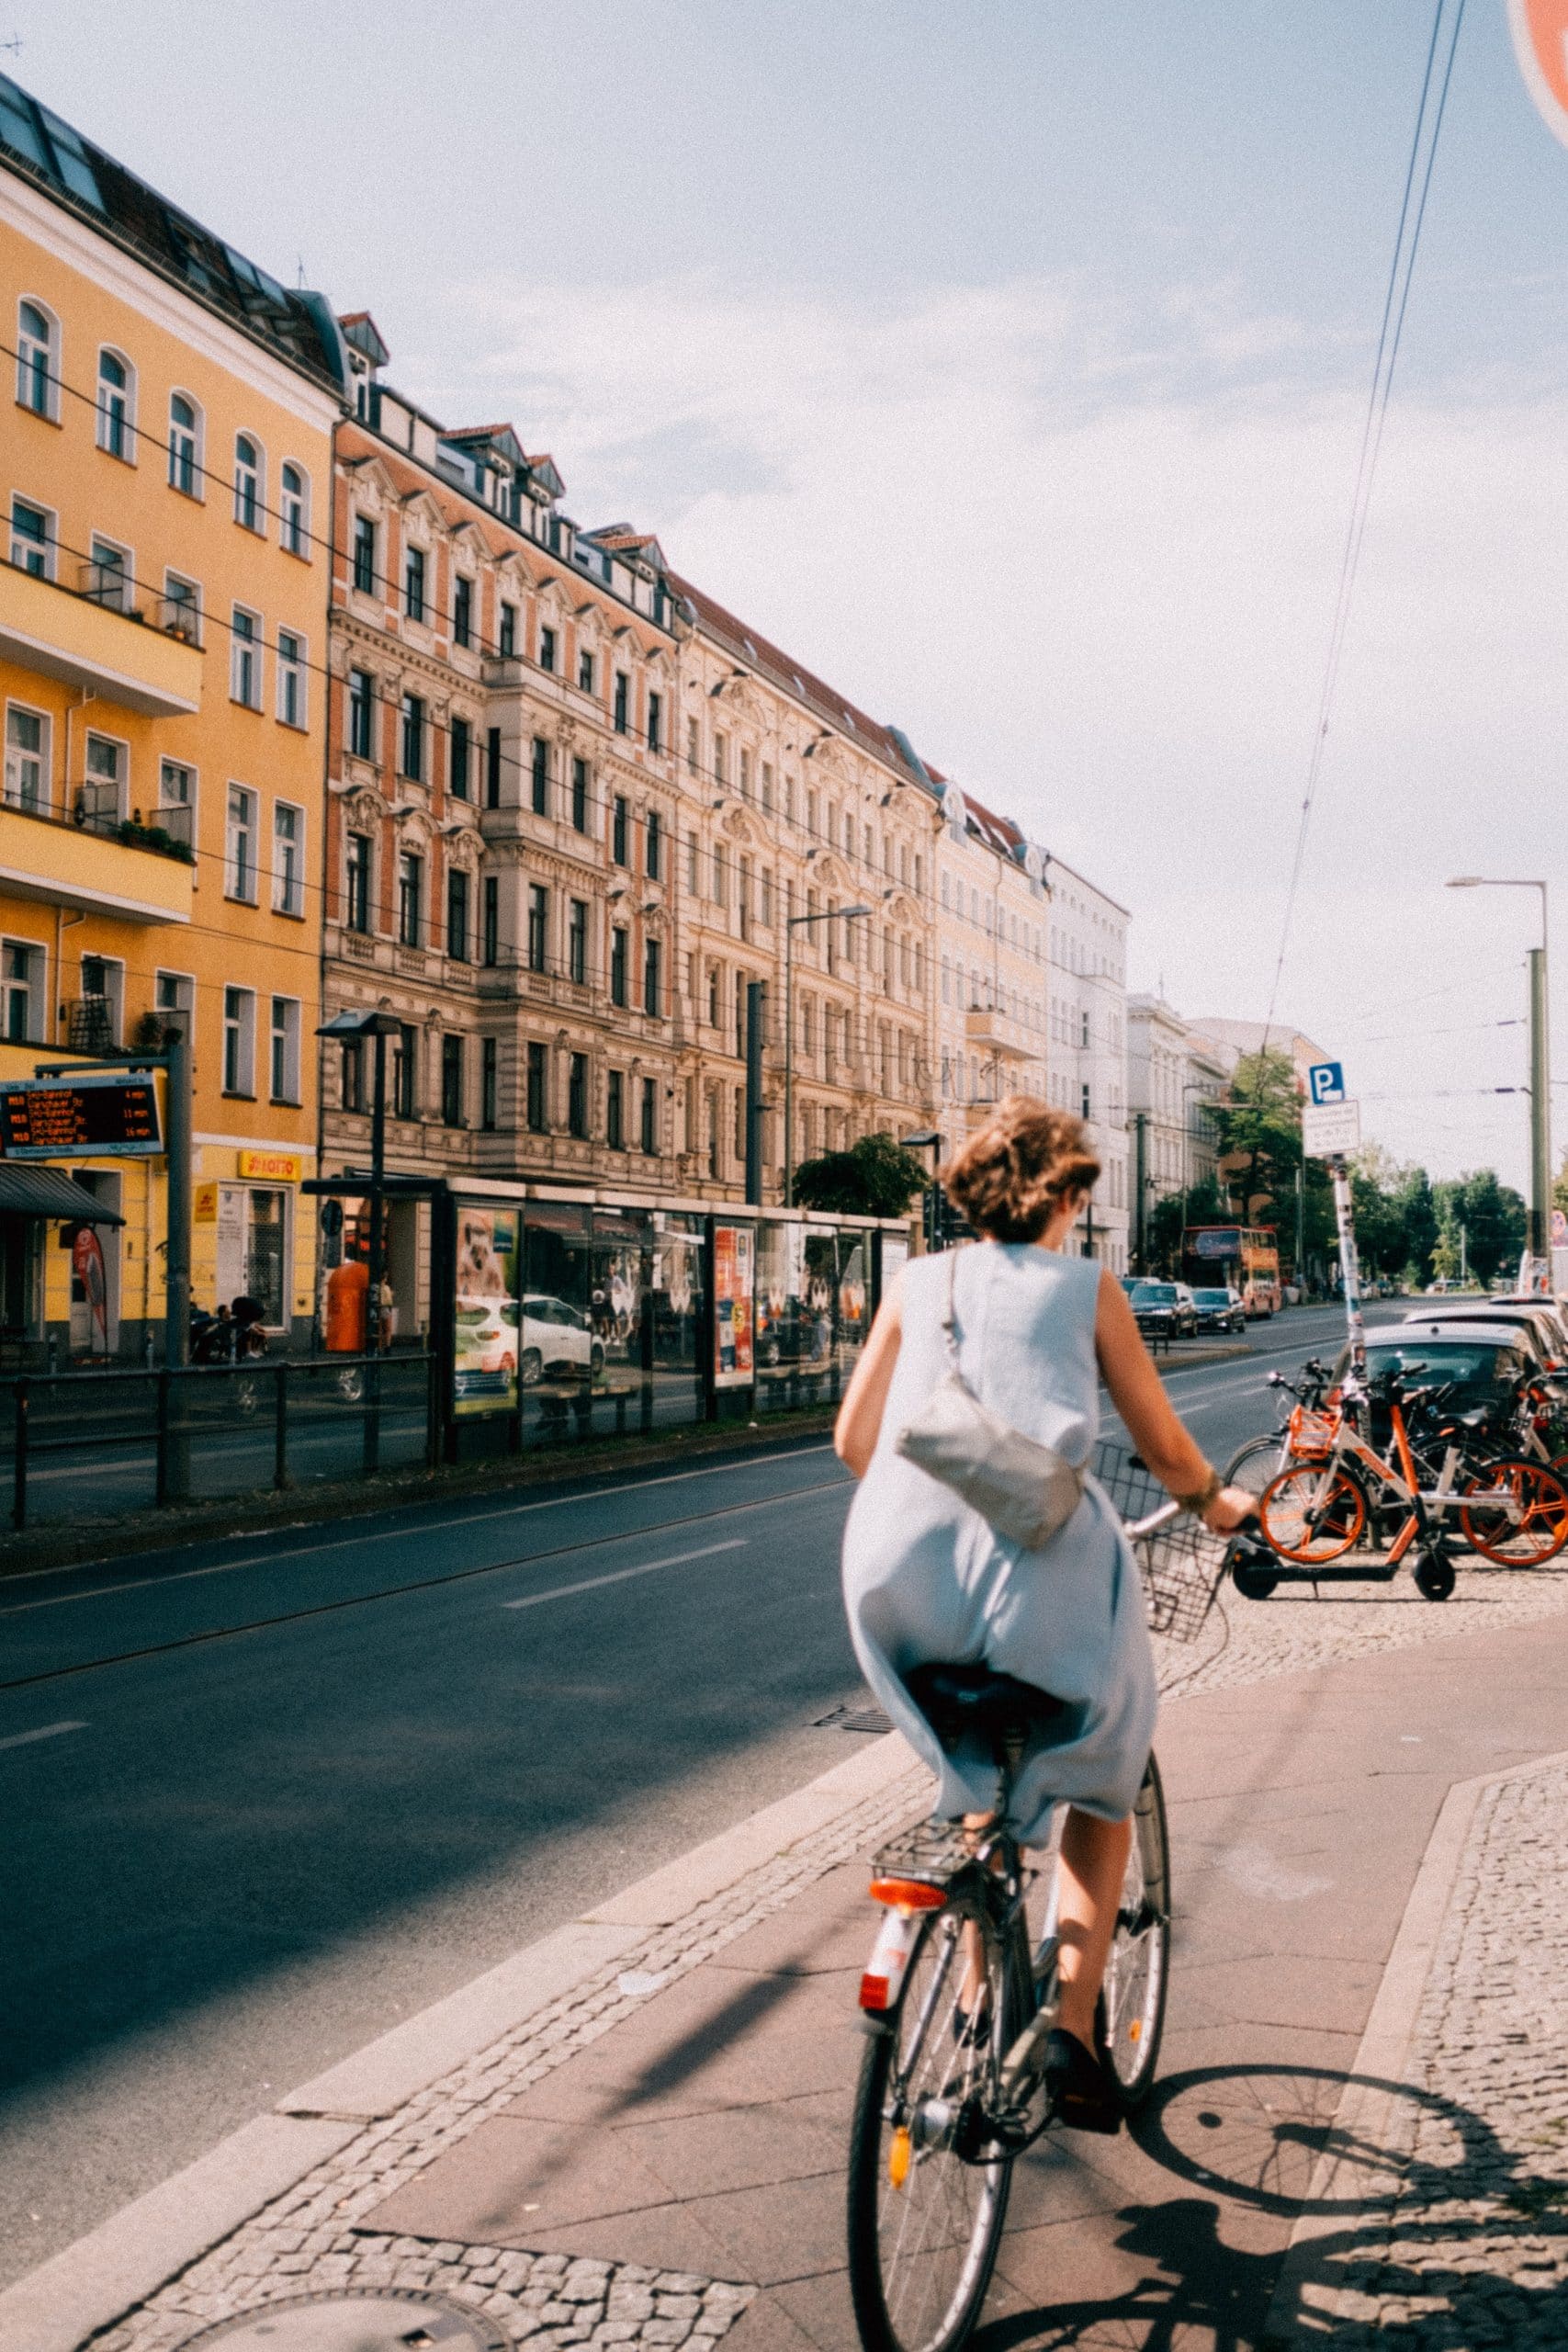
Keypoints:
pixel 1199 1501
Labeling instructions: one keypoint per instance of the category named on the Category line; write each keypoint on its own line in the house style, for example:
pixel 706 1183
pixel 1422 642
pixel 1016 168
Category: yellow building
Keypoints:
pixel 168 489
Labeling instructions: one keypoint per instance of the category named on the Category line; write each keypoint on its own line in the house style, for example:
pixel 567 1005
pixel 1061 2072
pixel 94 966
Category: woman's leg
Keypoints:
pixel 1093 1865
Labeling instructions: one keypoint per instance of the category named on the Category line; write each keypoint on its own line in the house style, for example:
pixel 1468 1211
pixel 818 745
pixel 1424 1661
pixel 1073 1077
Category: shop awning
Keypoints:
pixel 44 1192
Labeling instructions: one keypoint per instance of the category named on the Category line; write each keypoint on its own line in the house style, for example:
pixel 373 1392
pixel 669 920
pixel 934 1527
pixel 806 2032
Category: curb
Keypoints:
pixel 1307 2296
pixel 88 2285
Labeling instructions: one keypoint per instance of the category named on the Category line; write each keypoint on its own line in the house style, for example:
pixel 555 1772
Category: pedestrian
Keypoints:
pixel 927 1580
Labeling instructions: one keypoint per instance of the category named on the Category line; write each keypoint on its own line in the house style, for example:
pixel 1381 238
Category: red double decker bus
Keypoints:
pixel 1245 1257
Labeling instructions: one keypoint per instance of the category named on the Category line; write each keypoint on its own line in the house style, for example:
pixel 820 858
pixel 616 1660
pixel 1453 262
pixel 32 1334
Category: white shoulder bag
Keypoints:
pixel 1025 1490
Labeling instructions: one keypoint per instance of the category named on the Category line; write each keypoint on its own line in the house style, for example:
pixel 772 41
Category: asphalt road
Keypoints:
pixel 264 1798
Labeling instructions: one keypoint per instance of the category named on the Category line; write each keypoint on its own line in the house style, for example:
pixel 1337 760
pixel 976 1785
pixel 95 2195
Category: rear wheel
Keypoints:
pixel 1517 1514
pixel 926 2203
pixel 1312 1514
pixel 1138 1972
pixel 1259 1461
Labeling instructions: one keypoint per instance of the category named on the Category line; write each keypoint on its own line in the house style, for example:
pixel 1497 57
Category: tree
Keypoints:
pixel 1492 1216
pixel 1260 1126
pixel 876 1177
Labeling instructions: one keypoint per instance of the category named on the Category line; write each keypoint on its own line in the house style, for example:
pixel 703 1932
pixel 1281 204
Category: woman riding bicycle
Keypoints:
pixel 926 1579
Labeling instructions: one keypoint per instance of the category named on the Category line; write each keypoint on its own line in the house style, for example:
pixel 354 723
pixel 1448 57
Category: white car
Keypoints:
pixel 557 1340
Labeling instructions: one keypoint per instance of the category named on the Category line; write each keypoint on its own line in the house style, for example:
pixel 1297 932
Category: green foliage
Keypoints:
pixel 1492 1216
pixel 876 1177
pixel 1261 1126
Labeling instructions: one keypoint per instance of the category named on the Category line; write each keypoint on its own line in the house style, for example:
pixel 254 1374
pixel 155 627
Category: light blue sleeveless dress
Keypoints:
pixel 927 1578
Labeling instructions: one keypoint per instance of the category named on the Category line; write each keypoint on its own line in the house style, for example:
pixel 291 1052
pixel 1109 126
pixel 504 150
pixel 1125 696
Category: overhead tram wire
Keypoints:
pixel 1396 301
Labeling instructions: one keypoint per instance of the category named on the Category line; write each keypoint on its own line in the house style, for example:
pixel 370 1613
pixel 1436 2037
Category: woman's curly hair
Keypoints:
pixel 1017 1170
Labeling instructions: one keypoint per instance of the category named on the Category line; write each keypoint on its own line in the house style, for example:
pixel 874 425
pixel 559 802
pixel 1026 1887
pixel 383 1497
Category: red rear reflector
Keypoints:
pixel 874 1992
pixel 908 1893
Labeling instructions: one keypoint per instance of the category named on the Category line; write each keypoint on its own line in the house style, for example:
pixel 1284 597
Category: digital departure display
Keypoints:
pixel 56 1118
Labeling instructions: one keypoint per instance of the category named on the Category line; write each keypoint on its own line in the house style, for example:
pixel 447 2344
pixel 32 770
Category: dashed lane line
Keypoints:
pixel 44 1730
pixel 624 1576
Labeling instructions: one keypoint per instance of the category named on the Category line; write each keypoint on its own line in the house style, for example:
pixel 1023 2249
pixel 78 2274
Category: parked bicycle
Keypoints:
pixel 951 2090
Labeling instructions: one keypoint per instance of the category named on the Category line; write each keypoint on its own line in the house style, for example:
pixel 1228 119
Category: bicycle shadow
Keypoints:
pixel 1396 2222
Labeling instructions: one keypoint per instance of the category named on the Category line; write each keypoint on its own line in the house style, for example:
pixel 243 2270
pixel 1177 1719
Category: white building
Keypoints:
pixel 993 915
pixel 1173 1072
pixel 1087 1044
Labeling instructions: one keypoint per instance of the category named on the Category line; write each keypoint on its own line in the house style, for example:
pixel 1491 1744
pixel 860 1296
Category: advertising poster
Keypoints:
pixel 733 1287
pixel 484 1356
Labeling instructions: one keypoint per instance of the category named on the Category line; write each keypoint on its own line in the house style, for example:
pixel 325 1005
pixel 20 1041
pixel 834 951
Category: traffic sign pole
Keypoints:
pixel 1350 1268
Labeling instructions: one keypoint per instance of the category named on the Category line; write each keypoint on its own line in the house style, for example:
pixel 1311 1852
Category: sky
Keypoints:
pixel 1006 362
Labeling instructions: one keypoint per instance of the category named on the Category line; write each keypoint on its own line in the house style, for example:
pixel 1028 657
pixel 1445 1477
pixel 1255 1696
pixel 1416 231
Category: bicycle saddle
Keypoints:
pixel 957 1699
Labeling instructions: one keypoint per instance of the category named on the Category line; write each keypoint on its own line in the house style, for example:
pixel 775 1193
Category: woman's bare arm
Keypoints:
pixel 859 1424
pixel 1139 1396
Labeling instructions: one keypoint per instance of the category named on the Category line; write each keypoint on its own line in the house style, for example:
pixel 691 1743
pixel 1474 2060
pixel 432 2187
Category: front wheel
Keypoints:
pixel 1311 1514
pixel 1138 1972
pixel 1259 1461
pixel 925 2211
pixel 1515 1514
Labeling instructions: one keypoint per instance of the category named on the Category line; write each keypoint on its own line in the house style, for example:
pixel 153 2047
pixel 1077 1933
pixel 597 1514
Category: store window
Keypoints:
pixel 253 1248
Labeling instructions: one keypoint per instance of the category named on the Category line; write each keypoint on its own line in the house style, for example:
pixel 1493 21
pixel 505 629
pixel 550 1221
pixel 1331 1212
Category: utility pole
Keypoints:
pixel 1540 1228
pixel 755 997
pixel 1140 1157
pixel 1349 1270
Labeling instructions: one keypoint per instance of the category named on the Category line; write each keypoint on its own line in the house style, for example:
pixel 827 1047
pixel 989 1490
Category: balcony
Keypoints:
pixel 87 640
pixel 986 1027
pixel 108 873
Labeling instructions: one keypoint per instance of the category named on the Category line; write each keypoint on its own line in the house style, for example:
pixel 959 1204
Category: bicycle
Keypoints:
pixel 949 2092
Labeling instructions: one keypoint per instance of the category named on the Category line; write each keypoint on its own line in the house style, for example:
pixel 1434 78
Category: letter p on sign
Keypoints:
pixel 1325 1082
pixel 1540 44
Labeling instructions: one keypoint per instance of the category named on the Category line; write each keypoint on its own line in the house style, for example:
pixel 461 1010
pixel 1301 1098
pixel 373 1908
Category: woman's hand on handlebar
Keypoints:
pixel 1229 1509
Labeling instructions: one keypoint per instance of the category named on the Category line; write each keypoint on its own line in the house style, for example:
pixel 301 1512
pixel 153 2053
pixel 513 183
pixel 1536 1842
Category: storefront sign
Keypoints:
pixel 486 1310
pixel 733 1298
pixel 105 1117
pixel 204 1204
pixel 272 1167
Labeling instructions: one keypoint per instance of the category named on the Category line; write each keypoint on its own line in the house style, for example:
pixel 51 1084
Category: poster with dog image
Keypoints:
pixel 486 1311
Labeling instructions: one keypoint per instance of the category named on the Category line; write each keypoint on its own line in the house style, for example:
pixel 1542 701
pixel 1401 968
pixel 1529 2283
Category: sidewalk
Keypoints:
pixel 1362 2122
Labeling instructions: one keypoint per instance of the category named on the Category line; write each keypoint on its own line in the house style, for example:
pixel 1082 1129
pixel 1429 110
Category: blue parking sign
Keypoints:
pixel 1325 1081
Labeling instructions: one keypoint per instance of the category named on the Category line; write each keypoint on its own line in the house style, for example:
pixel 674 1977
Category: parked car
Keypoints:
pixel 1480 1358
pixel 557 1340
pixel 1165 1310
pixel 1535 1315
pixel 1220 1310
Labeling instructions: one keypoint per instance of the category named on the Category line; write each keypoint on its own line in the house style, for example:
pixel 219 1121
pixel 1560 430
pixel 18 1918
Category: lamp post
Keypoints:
pixel 792 924
pixel 1541 1058
pixel 353 1028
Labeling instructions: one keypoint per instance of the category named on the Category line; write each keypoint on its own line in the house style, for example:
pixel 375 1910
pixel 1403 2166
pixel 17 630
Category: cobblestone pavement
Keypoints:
pixel 1471 2249
pixel 307 2239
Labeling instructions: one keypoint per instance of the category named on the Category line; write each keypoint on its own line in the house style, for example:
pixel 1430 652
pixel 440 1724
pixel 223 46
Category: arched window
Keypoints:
pixel 247 482
pixel 38 360
pixel 185 445
pixel 116 397
pixel 294 499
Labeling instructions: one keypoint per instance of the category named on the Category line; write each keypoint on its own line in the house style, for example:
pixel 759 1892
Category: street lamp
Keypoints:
pixel 792 924
pixel 1540 1075
pixel 353 1028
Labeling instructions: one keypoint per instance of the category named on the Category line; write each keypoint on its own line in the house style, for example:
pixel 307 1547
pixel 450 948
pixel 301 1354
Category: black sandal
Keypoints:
pixel 1078 2090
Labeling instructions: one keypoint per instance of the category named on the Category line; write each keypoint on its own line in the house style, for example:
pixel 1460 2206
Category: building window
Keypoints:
pixel 358 871
pixel 490 939
pixel 462 610
pixel 506 645
pixel 116 393
pixel 33 541
pixel 492 768
pixel 38 376
pixel 461 744
pixel 245 659
pixel 541 778
pixel 451 1080
pixel 413 742
pixel 655 723
pixel 239 1041
pixel 651 978
pixel 539 1088
pixel 618 829
pixel 617 965
pixel 241 864
pixel 413 584
pixel 361 700
pixel 181 614
pixel 577 942
pixel 547 649
pixel 411 898
pixel 653 845
pixel 721 761
pixel 405 1046
pixel 623 690
pixel 580 796
pixel 293 522
pixel 185 445
pixel 715 983
pixel 285 1050
pixel 650 1137
pixel 767 788
pixel 576 1095
pixel 247 482
pixel 586 673
pixel 109 575
pixel 26 760
pixel 615 1111
pixel 457 915
pixel 1084 1112
pixel 718 881
pixel 95 1028
pixel 287 859
pixel 693 747
pixel 291 672
pixel 365 555
pixel 24 993
pixel 351 1075
pixel 488 1083
pixel 745 773
pixel 539 913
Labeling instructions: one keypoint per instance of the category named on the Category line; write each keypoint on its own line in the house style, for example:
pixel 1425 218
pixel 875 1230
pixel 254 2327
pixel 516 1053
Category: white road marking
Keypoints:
pixel 46 1731
pixel 1258 1871
pixel 623 1576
